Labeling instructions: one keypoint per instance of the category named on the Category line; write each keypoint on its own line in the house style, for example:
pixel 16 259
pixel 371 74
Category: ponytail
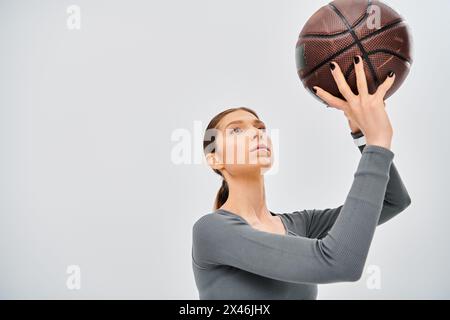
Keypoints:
pixel 222 195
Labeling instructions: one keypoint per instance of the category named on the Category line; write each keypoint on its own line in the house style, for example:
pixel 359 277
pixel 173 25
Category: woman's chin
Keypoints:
pixel 264 162
pixel 261 160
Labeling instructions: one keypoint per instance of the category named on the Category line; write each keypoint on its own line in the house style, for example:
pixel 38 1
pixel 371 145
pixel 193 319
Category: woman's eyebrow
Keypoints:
pixel 255 121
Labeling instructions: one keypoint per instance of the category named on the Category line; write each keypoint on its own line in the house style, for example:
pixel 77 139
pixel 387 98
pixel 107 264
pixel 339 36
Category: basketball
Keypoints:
pixel 345 28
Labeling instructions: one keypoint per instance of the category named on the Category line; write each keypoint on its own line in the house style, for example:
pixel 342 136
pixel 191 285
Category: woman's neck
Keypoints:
pixel 247 198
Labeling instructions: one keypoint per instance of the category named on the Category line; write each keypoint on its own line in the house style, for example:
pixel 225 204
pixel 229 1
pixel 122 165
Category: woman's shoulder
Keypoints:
pixel 205 219
pixel 217 222
pixel 213 219
pixel 297 220
pixel 297 215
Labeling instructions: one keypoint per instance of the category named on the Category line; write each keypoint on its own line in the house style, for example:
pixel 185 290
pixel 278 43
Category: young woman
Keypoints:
pixel 242 250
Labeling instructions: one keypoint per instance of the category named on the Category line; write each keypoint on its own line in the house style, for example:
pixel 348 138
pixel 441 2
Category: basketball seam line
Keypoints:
pixel 387 51
pixel 357 24
pixel 361 47
pixel 392 53
pixel 386 27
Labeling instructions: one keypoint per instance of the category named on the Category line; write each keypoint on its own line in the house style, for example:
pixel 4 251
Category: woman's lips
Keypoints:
pixel 260 147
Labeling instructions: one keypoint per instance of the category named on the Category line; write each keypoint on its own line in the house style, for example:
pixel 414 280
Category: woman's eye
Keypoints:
pixel 235 130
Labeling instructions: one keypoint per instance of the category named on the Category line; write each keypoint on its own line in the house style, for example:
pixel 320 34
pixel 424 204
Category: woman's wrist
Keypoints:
pixel 358 138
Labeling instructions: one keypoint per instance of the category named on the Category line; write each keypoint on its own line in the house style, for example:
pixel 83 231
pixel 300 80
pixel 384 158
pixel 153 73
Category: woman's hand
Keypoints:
pixel 364 111
pixel 353 127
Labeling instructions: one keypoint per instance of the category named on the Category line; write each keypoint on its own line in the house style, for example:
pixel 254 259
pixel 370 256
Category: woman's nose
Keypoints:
pixel 256 134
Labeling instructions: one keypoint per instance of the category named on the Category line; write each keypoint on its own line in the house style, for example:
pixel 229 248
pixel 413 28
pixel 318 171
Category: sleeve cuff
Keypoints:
pixel 358 138
pixel 357 135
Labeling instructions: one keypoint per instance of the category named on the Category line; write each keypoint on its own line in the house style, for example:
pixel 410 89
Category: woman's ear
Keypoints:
pixel 213 161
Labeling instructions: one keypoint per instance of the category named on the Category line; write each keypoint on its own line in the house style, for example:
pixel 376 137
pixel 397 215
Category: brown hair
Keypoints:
pixel 222 194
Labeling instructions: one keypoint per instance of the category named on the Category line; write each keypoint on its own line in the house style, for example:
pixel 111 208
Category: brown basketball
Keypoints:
pixel 345 28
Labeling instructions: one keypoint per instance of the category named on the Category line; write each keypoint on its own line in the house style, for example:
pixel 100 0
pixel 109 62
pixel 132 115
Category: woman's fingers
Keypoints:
pixel 386 85
pixel 361 81
pixel 342 84
pixel 331 100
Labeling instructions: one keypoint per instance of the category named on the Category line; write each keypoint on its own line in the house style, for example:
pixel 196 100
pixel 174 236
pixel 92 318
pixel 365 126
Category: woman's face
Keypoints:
pixel 242 144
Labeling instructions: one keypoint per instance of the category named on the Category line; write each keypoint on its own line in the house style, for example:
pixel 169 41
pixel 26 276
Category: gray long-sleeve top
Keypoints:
pixel 232 260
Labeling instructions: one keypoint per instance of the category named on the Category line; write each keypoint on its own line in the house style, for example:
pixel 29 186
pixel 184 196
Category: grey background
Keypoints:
pixel 86 119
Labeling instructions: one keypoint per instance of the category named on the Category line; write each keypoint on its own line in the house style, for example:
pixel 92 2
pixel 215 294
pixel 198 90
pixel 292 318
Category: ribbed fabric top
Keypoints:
pixel 232 260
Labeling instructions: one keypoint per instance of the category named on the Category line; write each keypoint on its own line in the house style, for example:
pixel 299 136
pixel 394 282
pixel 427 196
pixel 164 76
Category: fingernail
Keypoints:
pixel 332 66
pixel 356 59
pixel 391 74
